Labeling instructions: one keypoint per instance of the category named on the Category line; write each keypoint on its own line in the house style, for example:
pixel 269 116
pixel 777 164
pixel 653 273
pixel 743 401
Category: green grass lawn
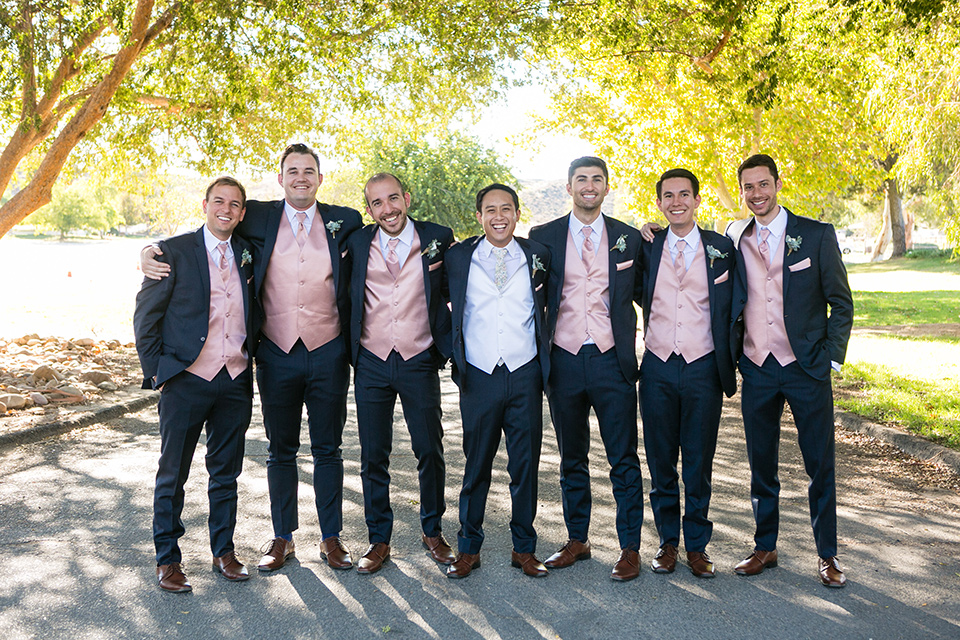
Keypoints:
pixel 880 308
pixel 929 261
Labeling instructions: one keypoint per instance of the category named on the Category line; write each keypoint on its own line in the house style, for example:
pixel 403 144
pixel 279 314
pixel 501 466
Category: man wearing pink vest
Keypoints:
pixel 789 272
pixel 194 336
pixel 595 277
pixel 400 330
pixel 301 287
pixel 686 368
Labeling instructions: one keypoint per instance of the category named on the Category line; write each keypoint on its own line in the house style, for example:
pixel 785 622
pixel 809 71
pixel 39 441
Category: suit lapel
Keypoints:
pixel 275 218
pixel 612 256
pixel 704 239
pixel 656 255
pixel 419 228
pixel 460 293
pixel 238 260
pixel 791 230
pixel 324 218
pixel 203 266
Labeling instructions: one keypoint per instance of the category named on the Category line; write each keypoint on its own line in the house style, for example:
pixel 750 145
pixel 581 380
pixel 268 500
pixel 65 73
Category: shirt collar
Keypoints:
pixel 211 241
pixel 692 239
pixel 405 237
pixel 778 225
pixel 486 249
pixel 291 211
pixel 576 226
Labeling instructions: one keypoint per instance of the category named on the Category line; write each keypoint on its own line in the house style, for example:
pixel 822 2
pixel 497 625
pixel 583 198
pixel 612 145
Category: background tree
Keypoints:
pixel 74 209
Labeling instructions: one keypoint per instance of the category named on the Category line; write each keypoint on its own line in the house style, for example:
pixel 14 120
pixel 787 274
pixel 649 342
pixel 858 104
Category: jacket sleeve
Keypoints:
pixel 152 301
pixel 836 289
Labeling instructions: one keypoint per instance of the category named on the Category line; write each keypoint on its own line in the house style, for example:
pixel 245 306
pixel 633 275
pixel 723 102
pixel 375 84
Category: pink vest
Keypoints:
pixel 226 330
pixel 299 299
pixel 679 320
pixel 764 331
pixel 585 300
pixel 395 311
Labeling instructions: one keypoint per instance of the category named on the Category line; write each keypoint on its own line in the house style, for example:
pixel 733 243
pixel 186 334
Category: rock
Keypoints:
pixel 3 408
pixel 12 401
pixel 113 344
pixel 107 385
pixel 34 342
pixel 27 402
pixel 83 342
pixel 39 399
pixel 45 372
pixel 95 377
pixel 12 389
pixel 70 389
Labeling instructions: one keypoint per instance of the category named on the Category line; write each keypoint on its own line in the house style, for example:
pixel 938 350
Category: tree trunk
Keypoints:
pixel 894 204
pixel 880 244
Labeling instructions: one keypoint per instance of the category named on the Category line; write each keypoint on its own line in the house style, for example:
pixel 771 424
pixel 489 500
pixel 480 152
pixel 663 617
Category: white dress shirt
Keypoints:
pixel 576 230
pixel 403 247
pixel 291 213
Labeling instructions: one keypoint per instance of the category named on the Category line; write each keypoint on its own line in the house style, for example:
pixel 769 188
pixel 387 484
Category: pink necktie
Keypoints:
pixel 393 260
pixel 224 267
pixel 679 263
pixel 301 229
pixel 587 248
pixel 764 247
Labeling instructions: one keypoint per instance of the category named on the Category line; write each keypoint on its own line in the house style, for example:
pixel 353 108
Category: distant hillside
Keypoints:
pixel 544 200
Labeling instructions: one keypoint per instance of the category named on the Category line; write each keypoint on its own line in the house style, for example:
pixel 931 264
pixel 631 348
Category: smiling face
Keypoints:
pixel 224 208
pixel 588 187
pixel 300 178
pixel 678 204
pixel 759 190
pixel 387 204
pixel 499 216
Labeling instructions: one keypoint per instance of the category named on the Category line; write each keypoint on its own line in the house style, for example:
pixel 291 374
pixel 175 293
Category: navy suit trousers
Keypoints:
pixel 511 402
pixel 680 405
pixel 811 401
pixel 187 403
pixel 578 382
pixel 287 381
pixel 376 387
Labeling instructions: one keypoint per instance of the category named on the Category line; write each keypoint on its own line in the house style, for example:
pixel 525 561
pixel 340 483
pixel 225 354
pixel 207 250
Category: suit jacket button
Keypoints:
pixel 202 339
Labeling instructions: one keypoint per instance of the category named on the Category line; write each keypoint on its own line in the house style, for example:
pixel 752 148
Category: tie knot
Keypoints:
pixel 500 252
pixel 301 216
pixel 392 243
pixel 586 232
pixel 681 245
pixel 222 247
pixel 764 234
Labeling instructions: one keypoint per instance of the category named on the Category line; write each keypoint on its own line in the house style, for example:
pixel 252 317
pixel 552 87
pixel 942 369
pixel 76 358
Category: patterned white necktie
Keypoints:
pixel 500 267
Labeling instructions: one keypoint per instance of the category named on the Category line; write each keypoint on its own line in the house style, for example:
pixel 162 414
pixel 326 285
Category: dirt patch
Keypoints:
pixel 946 330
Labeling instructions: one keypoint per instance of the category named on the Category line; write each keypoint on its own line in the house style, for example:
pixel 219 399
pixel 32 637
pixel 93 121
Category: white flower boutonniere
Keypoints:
pixel 246 258
pixel 713 253
pixel 535 265
pixel 432 249
pixel 333 226
pixel 621 244
pixel 793 244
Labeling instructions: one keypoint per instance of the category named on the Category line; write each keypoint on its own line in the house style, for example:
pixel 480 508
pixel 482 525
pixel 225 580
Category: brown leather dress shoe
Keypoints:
pixel 627 567
pixel 275 553
pixel 529 564
pixel 229 566
pixel 756 562
pixel 463 565
pixel 831 575
pixel 439 550
pixel 372 561
pixel 666 559
pixel 170 577
pixel 569 553
pixel 335 553
pixel 700 564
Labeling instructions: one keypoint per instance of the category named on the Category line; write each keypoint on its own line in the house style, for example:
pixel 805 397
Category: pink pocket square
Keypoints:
pixel 540 286
pixel 723 277
pixel 624 265
pixel 436 265
pixel 800 266
pixel 344 254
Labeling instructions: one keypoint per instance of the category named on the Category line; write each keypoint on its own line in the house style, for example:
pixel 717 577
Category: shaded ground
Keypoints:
pixel 950 330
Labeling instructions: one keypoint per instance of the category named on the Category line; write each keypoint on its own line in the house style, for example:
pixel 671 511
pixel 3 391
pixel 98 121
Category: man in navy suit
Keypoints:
pixel 194 337
pixel 595 277
pixel 789 272
pixel 501 363
pixel 687 367
pixel 301 286
pixel 400 330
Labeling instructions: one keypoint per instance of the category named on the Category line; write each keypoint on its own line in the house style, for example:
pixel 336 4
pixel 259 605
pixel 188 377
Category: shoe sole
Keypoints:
pixel 367 572
pixel 226 577
pixel 266 569
pixel 662 570
pixel 338 567
pixel 454 576
pixel 621 579
pixel 183 590
pixel 582 556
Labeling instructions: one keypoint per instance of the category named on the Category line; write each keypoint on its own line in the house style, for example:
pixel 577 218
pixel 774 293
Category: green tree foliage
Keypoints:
pixel 74 209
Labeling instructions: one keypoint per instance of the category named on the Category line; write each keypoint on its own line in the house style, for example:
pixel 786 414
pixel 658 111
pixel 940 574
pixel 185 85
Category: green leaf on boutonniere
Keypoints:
pixel 713 253
pixel 432 249
pixel 620 245
pixel 535 264
pixel 246 258
pixel 333 226
pixel 793 244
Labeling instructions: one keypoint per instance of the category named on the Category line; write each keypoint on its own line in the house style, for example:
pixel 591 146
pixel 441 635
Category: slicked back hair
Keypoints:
pixel 588 161
pixel 299 147
pixel 678 173
pixel 759 160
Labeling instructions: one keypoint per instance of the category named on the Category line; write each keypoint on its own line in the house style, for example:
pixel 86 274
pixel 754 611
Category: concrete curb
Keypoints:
pixel 906 442
pixel 50 429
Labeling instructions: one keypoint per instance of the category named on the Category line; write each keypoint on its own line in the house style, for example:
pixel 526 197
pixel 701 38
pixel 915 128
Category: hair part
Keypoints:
pixel 496 186
pixel 678 173
pixel 758 160
pixel 588 161
pixel 299 147
pixel 229 182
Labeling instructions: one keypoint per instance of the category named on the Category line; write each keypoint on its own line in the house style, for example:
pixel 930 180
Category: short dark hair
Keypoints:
pixel 230 182
pixel 678 173
pixel 299 147
pixel 496 186
pixel 588 161
pixel 758 160
pixel 380 177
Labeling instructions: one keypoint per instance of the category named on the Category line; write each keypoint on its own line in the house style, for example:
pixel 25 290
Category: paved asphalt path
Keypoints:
pixel 77 556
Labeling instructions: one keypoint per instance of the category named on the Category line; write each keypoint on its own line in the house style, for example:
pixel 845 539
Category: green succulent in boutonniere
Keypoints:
pixel 793 244
pixel 432 249
pixel 713 253
pixel 621 244
pixel 333 226
pixel 246 258
pixel 535 264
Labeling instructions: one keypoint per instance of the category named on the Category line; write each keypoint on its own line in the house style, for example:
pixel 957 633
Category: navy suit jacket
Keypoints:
pixel 458 271
pixel 721 295
pixel 260 226
pixel 172 315
pixel 626 282
pixel 813 278
pixel 358 247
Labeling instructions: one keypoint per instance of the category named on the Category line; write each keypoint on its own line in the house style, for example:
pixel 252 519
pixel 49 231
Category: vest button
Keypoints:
pixel 301 306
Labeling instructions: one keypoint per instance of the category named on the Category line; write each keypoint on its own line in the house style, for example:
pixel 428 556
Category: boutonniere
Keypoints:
pixel 793 244
pixel 713 253
pixel 536 265
pixel 246 258
pixel 621 244
pixel 432 249
pixel 333 226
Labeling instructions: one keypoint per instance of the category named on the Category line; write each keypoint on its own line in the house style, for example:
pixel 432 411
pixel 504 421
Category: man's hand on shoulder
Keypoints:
pixel 150 266
pixel 648 229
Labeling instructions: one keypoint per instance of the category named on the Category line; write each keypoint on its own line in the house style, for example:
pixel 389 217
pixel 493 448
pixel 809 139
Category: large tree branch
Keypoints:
pixel 27 63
